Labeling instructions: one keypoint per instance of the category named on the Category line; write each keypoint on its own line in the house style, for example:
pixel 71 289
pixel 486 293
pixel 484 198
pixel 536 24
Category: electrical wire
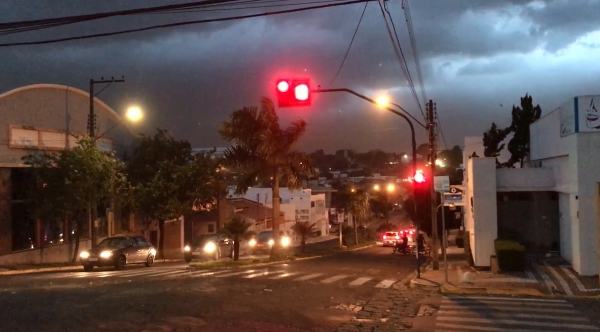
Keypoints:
pixel 399 55
pixel 413 43
pixel 351 42
pixel 171 25
pixel 439 126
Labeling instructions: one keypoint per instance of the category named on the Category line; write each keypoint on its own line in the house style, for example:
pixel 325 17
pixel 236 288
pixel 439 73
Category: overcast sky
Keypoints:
pixel 478 58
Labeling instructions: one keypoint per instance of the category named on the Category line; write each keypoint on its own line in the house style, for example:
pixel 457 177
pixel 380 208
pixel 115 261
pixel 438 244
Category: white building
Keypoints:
pixel 555 202
pixel 298 205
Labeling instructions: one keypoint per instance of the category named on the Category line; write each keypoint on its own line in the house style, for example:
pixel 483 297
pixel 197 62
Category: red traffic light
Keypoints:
pixel 293 92
pixel 419 177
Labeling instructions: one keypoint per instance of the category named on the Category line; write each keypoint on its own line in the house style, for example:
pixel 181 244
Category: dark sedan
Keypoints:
pixel 210 246
pixel 263 243
pixel 118 251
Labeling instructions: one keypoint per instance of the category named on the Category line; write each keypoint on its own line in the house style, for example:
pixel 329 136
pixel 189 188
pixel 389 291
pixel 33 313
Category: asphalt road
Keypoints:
pixel 299 296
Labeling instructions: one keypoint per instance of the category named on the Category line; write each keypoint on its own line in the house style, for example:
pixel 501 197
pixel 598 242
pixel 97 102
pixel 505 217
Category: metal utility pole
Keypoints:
pixel 92 132
pixel 432 159
pixel 92 118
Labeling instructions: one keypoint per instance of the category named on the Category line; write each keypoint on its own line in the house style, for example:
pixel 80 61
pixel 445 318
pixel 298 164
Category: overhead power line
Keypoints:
pixel 400 56
pixel 413 44
pixel 351 42
pixel 171 25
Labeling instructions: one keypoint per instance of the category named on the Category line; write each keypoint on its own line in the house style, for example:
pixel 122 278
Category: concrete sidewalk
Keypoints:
pixel 462 279
pixel 24 269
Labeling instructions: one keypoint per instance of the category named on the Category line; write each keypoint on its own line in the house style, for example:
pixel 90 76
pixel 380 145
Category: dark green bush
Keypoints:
pixel 510 255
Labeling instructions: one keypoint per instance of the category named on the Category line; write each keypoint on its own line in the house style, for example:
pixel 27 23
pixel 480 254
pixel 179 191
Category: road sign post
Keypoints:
pixel 442 185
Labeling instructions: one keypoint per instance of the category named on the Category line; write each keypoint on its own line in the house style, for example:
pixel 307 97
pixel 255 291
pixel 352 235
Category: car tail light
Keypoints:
pixel 397 237
pixel 384 237
pixel 411 232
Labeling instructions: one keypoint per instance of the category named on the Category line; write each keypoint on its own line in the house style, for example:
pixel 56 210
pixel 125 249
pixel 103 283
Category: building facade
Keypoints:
pixel 49 118
pixel 555 198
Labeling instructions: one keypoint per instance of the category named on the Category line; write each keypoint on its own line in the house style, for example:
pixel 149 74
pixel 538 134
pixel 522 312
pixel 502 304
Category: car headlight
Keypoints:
pixel 252 242
pixel 84 254
pixel 153 252
pixel 285 241
pixel 271 242
pixel 106 254
pixel 186 248
pixel 210 247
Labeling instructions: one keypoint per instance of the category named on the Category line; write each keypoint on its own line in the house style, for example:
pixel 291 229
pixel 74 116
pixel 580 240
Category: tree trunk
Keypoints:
pixel 275 192
pixel 236 248
pixel 355 230
pixel 77 235
pixel 161 239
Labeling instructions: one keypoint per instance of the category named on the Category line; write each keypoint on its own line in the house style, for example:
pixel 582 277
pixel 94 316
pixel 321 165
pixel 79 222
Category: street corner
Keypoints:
pixel 425 284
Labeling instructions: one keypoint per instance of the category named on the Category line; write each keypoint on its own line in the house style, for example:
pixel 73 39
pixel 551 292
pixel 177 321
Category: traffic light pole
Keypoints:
pixel 413 142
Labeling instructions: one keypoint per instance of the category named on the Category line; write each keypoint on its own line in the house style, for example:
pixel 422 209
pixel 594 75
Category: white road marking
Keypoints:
pixel 359 281
pixel 560 279
pixel 259 274
pixel 285 275
pixel 237 273
pixel 567 271
pixel 385 283
pixel 310 276
pixel 334 279
pixel 549 283
pixel 515 322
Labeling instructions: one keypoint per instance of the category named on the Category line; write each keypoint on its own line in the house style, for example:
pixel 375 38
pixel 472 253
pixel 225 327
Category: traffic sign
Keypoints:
pixel 455 196
pixel 441 184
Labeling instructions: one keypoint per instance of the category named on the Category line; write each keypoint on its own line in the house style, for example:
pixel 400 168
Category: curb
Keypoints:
pixel 67 268
pixel 361 248
pixel 259 264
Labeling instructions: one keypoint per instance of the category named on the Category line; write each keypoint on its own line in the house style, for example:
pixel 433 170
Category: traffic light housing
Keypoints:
pixel 421 186
pixel 293 92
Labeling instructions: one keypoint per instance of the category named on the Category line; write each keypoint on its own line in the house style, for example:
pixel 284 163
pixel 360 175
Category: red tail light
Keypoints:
pixel 384 237
pixel 397 237
pixel 411 232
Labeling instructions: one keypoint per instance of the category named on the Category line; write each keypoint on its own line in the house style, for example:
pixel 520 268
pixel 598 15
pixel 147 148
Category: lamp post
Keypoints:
pixel 383 103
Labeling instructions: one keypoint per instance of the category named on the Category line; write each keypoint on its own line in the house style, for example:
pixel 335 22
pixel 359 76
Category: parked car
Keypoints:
pixel 264 241
pixel 209 246
pixel 118 251
pixel 390 238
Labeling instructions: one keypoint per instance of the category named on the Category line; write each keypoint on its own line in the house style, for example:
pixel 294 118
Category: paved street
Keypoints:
pixel 307 295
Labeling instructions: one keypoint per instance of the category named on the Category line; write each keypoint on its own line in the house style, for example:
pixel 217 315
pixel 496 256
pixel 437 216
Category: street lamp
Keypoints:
pixel 391 187
pixel 134 114
pixel 376 187
pixel 382 101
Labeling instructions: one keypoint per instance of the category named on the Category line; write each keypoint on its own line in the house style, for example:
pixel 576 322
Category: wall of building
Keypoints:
pixel 318 213
pixel 524 179
pixel 483 224
pixel 5 212
pixel 59 253
pixel 566 227
pixel 173 242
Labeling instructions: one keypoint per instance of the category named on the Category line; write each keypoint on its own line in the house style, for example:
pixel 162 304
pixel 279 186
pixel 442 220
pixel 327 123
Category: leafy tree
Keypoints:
pixel 381 205
pixel 492 141
pixel 264 150
pixel 69 182
pixel 303 229
pixel 237 228
pixel 355 203
pixel 168 180
pixel 522 118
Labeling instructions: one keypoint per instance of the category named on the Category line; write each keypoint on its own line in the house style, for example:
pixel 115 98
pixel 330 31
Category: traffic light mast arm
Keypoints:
pixel 414 146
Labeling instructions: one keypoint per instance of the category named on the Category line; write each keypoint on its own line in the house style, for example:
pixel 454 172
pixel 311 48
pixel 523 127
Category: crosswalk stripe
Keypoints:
pixel 167 274
pixel 359 281
pixel 560 279
pixel 500 302
pixel 285 275
pixel 456 327
pixel 386 283
pixel 508 308
pixel 333 279
pixel 511 315
pixel 236 273
pixel 141 273
pixel 503 299
pixel 310 276
pixel 259 274
pixel 514 322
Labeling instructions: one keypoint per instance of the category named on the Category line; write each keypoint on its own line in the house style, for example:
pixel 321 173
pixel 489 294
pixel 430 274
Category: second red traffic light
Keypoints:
pixel 293 92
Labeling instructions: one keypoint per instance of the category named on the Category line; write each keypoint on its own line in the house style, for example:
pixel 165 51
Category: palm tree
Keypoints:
pixel 264 151
pixel 303 229
pixel 237 228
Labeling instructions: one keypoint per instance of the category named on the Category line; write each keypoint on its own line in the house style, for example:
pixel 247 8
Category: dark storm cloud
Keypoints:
pixel 189 79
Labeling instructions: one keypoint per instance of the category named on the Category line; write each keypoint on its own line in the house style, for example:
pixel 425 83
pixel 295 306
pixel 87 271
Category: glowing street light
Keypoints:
pixel 134 114
pixel 391 187
pixel 376 187
pixel 382 101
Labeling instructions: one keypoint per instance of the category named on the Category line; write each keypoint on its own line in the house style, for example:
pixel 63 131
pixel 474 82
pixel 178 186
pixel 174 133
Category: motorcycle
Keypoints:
pixel 403 248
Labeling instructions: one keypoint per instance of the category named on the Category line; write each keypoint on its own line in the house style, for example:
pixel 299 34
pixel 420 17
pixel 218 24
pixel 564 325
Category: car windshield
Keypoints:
pixel 265 236
pixel 114 242
pixel 391 234
pixel 203 239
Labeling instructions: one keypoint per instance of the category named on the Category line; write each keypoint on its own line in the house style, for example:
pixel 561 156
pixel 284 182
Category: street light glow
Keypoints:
pixel 382 101
pixel 376 187
pixel 391 187
pixel 134 114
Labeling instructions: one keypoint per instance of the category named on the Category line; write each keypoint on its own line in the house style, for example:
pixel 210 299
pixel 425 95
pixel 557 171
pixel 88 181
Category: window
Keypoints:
pixel 312 204
pixel 211 228
pixel 141 242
